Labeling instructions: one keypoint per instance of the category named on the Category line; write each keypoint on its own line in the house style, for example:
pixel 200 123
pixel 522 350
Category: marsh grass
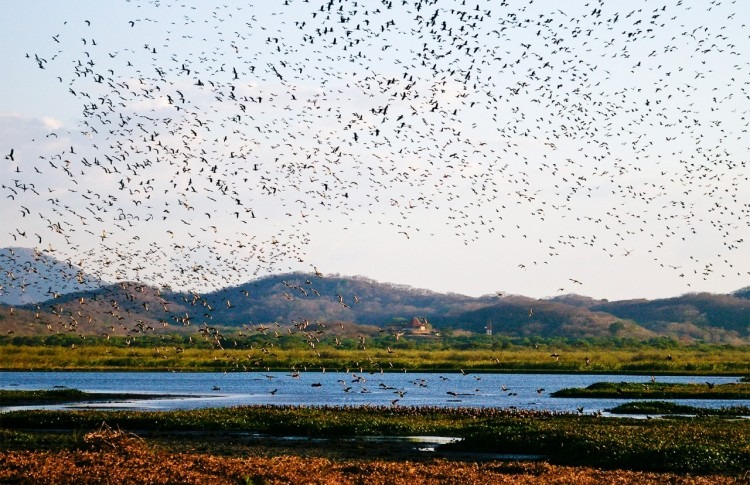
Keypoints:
pixel 698 445
pixel 140 463
pixel 695 445
pixel 11 439
pixel 19 397
pixel 659 390
pixel 476 355
pixel 668 408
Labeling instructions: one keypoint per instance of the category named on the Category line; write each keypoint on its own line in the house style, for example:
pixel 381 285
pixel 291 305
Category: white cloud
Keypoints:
pixel 51 123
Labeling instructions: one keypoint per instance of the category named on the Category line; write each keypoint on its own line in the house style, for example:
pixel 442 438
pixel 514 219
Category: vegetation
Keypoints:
pixel 22 397
pixel 367 305
pixel 659 390
pixel 727 312
pixel 667 407
pixel 116 459
pixel 698 445
pixel 19 397
pixel 448 353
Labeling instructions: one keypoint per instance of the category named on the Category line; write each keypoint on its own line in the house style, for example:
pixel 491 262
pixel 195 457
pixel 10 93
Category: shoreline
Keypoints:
pixel 331 370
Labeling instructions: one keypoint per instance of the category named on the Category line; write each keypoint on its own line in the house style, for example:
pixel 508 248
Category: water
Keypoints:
pixel 201 390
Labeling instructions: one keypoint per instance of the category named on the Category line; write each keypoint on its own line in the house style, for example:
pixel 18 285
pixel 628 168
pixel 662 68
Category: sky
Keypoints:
pixel 535 148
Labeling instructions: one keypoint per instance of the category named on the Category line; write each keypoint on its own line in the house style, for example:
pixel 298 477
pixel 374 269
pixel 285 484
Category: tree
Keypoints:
pixel 616 327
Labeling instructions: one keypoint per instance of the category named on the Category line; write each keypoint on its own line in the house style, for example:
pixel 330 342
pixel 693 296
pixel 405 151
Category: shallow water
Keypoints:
pixel 523 391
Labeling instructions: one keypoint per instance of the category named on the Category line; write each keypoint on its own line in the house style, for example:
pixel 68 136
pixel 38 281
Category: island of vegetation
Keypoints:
pixel 659 390
pixel 671 408
pixel 67 395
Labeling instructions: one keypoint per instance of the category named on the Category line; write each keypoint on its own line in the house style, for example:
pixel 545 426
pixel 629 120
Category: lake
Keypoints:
pixel 200 390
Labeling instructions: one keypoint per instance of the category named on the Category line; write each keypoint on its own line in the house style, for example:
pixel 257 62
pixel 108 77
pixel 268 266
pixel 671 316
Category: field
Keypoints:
pixel 250 444
pixel 136 462
pixel 177 352
pixel 253 444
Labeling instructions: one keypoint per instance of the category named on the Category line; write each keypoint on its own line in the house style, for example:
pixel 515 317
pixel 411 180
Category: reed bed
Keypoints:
pixel 92 354
pixel 699 445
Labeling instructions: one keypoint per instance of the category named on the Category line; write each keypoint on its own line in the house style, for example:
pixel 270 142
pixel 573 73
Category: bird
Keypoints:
pixel 608 160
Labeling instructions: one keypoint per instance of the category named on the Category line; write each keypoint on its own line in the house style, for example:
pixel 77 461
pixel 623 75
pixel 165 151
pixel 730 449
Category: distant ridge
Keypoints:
pixel 32 276
pixel 44 289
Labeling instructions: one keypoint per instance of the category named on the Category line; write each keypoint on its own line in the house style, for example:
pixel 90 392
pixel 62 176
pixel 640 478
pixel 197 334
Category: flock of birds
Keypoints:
pixel 465 387
pixel 212 140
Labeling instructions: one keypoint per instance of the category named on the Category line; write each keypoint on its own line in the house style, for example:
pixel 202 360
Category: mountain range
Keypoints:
pixel 42 294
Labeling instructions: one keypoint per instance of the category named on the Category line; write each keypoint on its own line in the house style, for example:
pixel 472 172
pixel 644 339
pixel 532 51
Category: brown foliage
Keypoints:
pixel 118 457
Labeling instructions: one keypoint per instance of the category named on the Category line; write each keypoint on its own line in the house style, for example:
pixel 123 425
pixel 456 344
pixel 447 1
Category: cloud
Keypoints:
pixel 17 129
pixel 52 123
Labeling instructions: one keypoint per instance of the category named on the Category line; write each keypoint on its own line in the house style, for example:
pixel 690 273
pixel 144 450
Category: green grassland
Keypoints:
pixel 476 354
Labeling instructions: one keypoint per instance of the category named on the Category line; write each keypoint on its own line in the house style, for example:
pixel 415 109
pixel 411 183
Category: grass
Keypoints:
pixel 476 355
pixel 659 390
pixel 12 397
pixel 19 397
pixel 698 445
pixel 667 408
pixel 130 460
pixel 695 445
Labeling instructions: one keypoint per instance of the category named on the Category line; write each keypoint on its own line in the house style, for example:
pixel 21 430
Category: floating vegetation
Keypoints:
pixel 666 407
pixel 19 397
pixel 659 390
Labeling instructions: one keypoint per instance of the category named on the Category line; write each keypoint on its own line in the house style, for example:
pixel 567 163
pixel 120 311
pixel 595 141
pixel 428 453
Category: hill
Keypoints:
pixel 33 275
pixel 297 296
pixel 77 303
pixel 703 316
pixel 521 316
pixel 122 309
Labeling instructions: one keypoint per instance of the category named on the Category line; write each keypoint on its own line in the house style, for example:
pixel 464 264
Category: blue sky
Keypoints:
pixel 535 148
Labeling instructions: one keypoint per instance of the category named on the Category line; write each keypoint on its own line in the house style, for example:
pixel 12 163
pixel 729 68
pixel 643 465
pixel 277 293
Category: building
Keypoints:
pixel 420 325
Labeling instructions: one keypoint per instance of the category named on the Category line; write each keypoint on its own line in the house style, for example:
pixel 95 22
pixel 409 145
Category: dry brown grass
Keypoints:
pixel 114 456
